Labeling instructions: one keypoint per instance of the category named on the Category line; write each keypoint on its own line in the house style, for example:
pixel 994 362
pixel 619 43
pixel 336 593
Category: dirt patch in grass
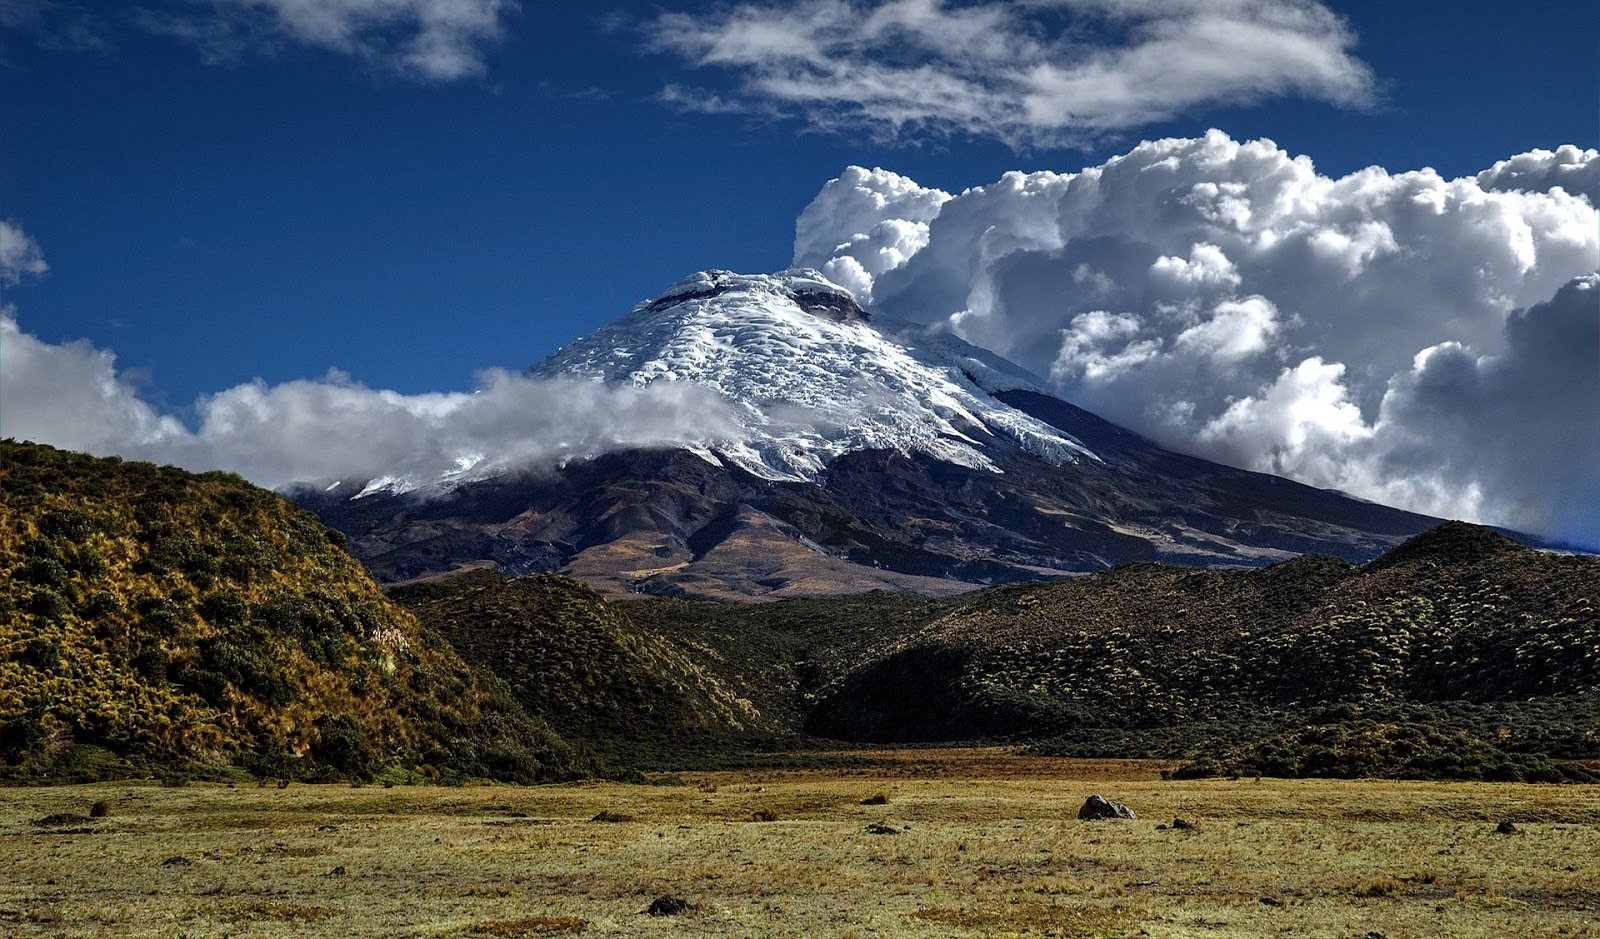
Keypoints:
pixel 270 912
pixel 527 926
pixel 1032 918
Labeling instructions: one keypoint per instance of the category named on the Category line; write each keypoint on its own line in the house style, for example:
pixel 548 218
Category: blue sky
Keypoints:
pixel 282 213
pixel 234 197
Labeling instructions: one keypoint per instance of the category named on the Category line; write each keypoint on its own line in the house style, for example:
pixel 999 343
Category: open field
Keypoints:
pixel 988 845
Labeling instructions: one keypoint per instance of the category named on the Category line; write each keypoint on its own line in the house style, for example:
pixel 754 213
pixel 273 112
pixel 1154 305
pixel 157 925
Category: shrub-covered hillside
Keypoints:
pixel 1460 654
pixel 581 663
pixel 153 619
pixel 156 621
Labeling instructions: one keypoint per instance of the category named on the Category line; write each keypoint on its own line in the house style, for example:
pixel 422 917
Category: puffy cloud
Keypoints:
pixel 1577 171
pixel 71 396
pixel 1043 73
pixel 1227 299
pixel 430 40
pixel 1520 429
pixel 20 255
pixel 887 215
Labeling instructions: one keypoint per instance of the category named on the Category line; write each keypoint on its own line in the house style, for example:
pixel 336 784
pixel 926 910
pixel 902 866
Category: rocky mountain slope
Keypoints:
pixel 152 620
pixel 865 456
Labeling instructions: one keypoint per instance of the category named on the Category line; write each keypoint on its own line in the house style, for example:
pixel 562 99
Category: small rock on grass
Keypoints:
pixel 1098 806
pixel 1506 828
pixel 879 828
pixel 668 905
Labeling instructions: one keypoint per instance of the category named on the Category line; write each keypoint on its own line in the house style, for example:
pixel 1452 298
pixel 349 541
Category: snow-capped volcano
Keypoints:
pixel 810 378
pixel 814 450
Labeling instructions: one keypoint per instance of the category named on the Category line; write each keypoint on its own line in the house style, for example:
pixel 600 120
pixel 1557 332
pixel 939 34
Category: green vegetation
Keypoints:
pixel 156 622
pixel 160 622
pixel 1460 655
pixel 583 665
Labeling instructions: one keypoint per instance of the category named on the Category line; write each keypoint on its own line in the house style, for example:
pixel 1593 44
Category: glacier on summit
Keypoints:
pixel 811 378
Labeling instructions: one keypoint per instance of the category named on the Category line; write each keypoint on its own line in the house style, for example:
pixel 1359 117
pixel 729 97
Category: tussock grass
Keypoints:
pixel 987 845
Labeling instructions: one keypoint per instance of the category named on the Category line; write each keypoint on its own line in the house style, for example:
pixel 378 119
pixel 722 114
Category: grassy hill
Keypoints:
pixel 1459 654
pixel 154 620
pixel 582 664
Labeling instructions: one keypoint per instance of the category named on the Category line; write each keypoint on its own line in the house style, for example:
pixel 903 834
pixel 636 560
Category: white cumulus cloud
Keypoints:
pixel 1225 298
pixel 71 395
pixel 1575 170
pixel 1048 72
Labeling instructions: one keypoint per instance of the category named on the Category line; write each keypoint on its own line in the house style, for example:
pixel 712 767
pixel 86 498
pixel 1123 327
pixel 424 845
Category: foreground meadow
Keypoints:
pixel 984 843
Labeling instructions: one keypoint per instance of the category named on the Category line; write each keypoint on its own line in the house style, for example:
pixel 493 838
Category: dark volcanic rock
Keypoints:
pixel 668 906
pixel 667 522
pixel 1099 807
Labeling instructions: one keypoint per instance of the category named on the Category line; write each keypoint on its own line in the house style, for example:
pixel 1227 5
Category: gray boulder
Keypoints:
pixel 1098 807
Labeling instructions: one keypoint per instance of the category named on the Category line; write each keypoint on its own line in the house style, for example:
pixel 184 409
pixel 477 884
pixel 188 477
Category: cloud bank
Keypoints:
pixel 1046 73
pixel 427 40
pixel 71 395
pixel 1394 335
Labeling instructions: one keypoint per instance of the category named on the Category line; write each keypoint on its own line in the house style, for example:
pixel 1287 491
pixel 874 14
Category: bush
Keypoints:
pixel 343 746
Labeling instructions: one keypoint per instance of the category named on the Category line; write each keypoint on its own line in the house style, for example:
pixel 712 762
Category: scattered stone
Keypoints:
pixel 879 828
pixel 668 905
pixel 877 798
pixel 1179 824
pixel 607 815
pixel 763 815
pixel 327 828
pixel 1098 807
pixel 1271 901
pixel 177 860
pixel 1506 828
pixel 336 872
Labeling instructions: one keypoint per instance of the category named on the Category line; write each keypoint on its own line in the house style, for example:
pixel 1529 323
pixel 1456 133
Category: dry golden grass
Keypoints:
pixel 988 844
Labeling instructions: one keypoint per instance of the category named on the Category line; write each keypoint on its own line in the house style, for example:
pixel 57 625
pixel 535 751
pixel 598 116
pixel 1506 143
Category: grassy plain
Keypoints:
pixel 987 844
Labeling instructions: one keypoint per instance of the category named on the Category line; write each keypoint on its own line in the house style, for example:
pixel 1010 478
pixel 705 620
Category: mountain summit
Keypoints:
pixel 809 377
pixel 860 454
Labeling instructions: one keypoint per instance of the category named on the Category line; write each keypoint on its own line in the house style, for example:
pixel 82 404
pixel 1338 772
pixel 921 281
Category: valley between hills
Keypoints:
pixel 162 624
pixel 226 727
